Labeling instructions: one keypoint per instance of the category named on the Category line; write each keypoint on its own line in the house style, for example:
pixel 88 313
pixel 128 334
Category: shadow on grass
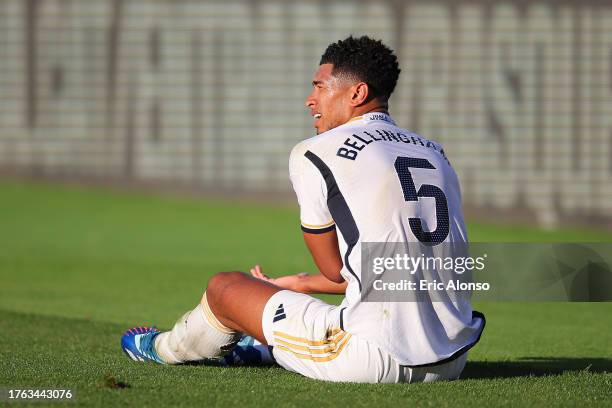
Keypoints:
pixel 524 367
pixel 534 366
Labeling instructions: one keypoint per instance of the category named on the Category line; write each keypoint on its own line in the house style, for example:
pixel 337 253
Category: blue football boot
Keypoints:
pixel 139 344
pixel 249 352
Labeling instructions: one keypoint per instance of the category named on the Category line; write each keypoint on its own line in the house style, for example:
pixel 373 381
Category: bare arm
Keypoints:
pixel 302 282
pixel 326 254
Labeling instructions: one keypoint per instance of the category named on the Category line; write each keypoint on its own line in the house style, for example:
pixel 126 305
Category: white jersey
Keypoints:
pixel 362 178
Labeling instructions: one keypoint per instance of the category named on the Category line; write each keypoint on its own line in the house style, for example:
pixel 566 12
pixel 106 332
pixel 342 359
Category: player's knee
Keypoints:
pixel 219 284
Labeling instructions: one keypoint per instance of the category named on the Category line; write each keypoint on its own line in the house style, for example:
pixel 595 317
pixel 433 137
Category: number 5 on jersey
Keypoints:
pixel 430 238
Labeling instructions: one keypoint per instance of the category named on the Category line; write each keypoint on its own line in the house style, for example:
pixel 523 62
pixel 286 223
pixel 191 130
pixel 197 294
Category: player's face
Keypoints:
pixel 328 101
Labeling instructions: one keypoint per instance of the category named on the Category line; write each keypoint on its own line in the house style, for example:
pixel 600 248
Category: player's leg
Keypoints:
pixel 238 300
pixel 308 337
pixel 232 304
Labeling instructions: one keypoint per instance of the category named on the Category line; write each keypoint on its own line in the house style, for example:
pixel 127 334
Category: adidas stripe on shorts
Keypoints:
pixel 307 338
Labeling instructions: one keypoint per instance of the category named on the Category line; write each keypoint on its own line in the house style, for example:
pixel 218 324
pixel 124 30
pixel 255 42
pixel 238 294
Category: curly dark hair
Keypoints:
pixel 364 59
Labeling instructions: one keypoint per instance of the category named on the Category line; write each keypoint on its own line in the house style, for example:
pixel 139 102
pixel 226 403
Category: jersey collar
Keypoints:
pixel 372 117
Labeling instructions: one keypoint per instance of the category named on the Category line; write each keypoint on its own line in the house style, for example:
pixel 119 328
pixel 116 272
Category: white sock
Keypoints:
pixel 196 336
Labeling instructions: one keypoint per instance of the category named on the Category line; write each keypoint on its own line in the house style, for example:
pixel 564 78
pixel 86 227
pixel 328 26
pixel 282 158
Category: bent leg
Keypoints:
pixel 308 338
pixel 237 300
pixel 232 304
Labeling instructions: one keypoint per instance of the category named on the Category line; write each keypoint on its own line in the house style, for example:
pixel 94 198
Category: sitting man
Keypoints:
pixel 361 179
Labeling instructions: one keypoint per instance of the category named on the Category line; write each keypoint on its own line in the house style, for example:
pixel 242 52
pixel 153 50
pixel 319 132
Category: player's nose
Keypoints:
pixel 309 103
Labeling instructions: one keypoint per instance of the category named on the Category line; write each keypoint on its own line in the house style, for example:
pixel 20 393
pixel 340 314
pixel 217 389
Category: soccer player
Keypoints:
pixel 360 179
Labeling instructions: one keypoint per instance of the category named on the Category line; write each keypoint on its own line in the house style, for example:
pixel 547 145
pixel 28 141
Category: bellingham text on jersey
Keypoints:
pixel 353 145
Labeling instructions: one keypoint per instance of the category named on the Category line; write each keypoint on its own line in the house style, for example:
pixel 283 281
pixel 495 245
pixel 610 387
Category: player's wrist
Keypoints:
pixel 297 283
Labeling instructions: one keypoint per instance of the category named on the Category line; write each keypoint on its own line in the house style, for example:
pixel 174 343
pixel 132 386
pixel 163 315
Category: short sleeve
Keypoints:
pixel 311 192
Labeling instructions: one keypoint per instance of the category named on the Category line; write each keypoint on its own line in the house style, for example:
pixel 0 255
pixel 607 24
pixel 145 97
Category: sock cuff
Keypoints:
pixel 212 319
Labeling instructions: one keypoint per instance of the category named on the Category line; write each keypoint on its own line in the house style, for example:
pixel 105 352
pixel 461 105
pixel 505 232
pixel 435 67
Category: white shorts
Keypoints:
pixel 307 338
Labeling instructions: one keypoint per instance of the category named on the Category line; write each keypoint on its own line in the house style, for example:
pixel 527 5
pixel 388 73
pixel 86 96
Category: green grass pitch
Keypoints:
pixel 78 266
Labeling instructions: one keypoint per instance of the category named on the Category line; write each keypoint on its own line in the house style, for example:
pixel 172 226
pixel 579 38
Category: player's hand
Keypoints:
pixel 257 272
pixel 290 282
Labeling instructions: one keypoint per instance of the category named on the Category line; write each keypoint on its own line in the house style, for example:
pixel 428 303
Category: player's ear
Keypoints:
pixel 359 94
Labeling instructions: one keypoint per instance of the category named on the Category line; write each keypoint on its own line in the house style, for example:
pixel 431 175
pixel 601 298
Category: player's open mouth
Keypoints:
pixel 317 116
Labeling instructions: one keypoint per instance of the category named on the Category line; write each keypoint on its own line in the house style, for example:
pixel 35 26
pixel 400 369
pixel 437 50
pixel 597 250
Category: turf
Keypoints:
pixel 80 265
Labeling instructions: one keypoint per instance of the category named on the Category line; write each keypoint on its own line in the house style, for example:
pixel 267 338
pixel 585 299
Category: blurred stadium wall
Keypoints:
pixel 210 93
